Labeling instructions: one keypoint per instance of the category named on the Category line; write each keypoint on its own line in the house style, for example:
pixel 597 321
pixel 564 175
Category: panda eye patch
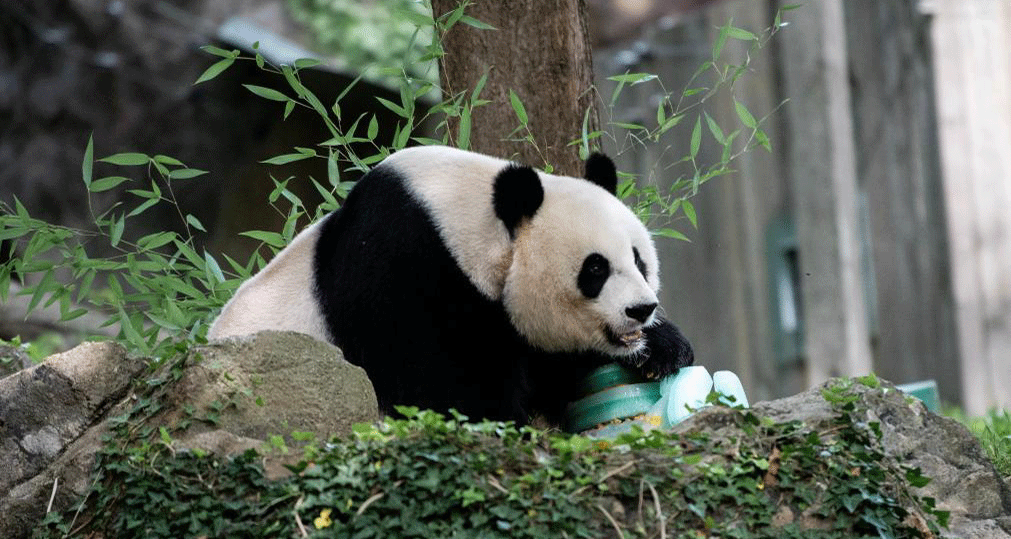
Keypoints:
pixel 638 262
pixel 594 273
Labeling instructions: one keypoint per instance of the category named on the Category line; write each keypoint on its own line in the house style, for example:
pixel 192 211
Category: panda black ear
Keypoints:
pixel 600 170
pixel 517 194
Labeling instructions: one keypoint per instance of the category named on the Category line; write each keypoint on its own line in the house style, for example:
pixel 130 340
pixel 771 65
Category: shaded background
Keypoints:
pixel 873 237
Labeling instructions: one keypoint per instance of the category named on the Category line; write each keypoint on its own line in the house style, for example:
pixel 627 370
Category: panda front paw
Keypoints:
pixel 667 350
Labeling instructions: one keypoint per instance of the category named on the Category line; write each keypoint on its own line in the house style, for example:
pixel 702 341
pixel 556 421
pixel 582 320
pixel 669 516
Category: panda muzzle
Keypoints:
pixel 632 338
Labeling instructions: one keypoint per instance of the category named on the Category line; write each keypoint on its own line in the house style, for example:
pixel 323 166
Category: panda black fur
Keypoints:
pixel 457 280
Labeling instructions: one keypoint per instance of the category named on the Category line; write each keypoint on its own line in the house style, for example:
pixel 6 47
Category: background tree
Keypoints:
pixel 538 49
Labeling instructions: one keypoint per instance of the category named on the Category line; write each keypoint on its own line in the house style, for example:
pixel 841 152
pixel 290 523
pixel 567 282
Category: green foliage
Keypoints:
pixel 662 197
pixel 387 37
pixel 429 475
pixel 157 288
pixel 37 350
pixel 994 433
pixel 163 287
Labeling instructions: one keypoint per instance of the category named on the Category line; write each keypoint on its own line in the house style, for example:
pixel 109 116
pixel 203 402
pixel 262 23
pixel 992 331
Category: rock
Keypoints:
pixel 53 416
pixel 963 480
pixel 234 394
pixel 48 419
pixel 12 360
pixel 273 383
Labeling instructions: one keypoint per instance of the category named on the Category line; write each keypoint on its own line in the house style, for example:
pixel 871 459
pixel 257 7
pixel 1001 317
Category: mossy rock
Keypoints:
pixel 772 471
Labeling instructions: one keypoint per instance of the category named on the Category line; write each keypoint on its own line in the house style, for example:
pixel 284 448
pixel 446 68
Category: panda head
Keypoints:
pixel 583 272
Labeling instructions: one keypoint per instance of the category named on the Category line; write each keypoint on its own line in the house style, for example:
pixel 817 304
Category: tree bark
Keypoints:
pixel 540 49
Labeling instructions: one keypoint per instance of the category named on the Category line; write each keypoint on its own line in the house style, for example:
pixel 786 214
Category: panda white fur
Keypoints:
pixel 458 280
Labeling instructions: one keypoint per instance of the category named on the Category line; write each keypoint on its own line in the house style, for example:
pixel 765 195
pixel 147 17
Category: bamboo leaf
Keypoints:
pixel 671 233
pixel 471 21
pixel 266 93
pixel 195 223
pixel 104 184
pixel 689 210
pixel 584 146
pixel 633 78
pixel 216 69
pixel 333 171
pixel 671 122
pixel 116 233
pixel 518 108
pixel 373 128
pixel 454 16
pixel 128 159
pixel 270 238
pixel 746 118
pixel 144 206
pixel 186 173
pixel 287 158
pixel 88 162
pixel 212 269
pixel 397 109
pixel 740 33
pixel 696 137
pixel 166 160
pixel 474 94
pixel 328 198
pixel 293 82
pixel 463 135
pixel 303 63
pixel 714 128
pixel 219 52
pixel 721 40
pixel 156 240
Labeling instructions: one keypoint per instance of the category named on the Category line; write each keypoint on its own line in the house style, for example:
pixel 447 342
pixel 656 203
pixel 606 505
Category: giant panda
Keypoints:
pixel 459 280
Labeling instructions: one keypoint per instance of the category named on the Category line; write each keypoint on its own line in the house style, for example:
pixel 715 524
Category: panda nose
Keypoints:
pixel 641 312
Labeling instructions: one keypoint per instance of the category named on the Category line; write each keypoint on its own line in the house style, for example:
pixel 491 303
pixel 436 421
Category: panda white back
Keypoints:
pixel 281 296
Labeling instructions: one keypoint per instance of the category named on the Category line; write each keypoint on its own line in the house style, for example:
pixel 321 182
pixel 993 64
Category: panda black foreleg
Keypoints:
pixel 666 351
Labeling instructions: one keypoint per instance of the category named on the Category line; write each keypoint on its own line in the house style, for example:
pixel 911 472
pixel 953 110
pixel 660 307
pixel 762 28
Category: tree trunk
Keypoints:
pixel 540 49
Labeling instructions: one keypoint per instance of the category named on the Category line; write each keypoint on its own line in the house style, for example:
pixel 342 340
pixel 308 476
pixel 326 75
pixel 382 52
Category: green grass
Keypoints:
pixel 994 432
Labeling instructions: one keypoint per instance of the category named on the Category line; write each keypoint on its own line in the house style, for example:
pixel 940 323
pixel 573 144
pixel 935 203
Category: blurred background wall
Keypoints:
pixel 874 235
